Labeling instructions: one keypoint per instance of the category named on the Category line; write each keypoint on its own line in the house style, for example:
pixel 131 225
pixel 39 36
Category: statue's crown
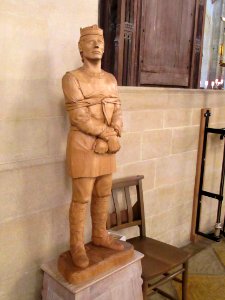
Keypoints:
pixel 94 29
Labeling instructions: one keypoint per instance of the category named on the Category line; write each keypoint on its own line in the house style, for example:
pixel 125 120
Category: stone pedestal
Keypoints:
pixel 120 282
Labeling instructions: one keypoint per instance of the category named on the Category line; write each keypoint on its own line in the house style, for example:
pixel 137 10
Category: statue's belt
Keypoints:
pixel 93 101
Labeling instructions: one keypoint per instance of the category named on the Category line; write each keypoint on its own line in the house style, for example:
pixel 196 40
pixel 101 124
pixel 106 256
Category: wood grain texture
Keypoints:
pixel 160 259
pixel 197 45
pixel 100 260
pixel 165 42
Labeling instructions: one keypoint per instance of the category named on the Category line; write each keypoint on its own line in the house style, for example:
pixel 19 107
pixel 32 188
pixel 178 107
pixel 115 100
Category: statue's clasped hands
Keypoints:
pixel 107 142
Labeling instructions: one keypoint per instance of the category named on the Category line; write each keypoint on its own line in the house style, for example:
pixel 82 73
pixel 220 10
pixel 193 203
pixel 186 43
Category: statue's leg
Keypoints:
pixel 99 213
pixel 82 189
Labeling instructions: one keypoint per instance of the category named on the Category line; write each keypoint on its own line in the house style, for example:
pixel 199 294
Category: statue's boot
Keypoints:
pixel 99 214
pixel 77 218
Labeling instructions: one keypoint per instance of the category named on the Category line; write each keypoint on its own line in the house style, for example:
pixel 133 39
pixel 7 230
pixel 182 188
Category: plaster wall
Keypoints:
pixel 160 141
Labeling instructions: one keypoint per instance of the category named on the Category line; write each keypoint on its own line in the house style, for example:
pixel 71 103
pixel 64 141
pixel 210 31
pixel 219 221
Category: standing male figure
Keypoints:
pixel 95 115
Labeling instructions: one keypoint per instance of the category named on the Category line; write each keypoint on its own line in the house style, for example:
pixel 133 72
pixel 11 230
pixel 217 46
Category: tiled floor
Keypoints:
pixel 206 272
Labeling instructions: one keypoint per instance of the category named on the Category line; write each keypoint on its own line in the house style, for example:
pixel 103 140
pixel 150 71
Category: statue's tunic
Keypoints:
pixel 92 103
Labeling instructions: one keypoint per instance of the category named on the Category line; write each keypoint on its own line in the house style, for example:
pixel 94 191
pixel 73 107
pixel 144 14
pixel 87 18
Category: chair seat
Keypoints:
pixel 159 258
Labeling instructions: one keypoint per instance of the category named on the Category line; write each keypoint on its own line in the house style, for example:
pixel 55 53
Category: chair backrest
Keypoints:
pixel 127 215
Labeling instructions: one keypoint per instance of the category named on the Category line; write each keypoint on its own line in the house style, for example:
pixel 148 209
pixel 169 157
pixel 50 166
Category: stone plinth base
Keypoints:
pixel 120 282
pixel 100 260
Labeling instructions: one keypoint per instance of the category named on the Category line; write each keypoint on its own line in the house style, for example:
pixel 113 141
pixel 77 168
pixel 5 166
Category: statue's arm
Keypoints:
pixel 80 117
pixel 117 122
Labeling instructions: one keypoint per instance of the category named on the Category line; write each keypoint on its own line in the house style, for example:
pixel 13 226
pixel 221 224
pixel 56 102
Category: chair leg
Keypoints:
pixel 145 289
pixel 185 281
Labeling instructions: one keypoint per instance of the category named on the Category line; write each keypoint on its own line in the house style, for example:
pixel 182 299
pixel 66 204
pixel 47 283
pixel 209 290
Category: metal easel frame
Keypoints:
pixel 201 192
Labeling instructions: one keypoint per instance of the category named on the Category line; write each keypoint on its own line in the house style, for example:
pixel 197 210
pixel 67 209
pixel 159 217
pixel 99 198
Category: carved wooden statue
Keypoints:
pixel 95 115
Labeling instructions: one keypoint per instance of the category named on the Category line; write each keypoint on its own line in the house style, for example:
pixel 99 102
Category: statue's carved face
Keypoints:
pixel 91 47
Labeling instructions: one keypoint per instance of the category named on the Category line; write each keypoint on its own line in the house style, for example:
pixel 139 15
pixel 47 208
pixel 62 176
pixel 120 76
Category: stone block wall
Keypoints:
pixel 38 45
pixel 159 140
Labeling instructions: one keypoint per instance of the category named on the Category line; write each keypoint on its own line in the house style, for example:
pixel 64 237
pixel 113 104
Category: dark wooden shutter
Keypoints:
pixel 120 21
pixel 153 42
pixel 166 42
pixel 107 21
pixel 198 44
pixel 126 42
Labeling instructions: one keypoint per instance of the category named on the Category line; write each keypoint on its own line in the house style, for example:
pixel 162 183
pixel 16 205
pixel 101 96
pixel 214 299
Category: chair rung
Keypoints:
pixel 165 294
pixel 164 280
pixel 177 280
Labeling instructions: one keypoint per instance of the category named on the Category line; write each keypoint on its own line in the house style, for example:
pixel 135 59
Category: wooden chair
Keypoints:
pixel 162 262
